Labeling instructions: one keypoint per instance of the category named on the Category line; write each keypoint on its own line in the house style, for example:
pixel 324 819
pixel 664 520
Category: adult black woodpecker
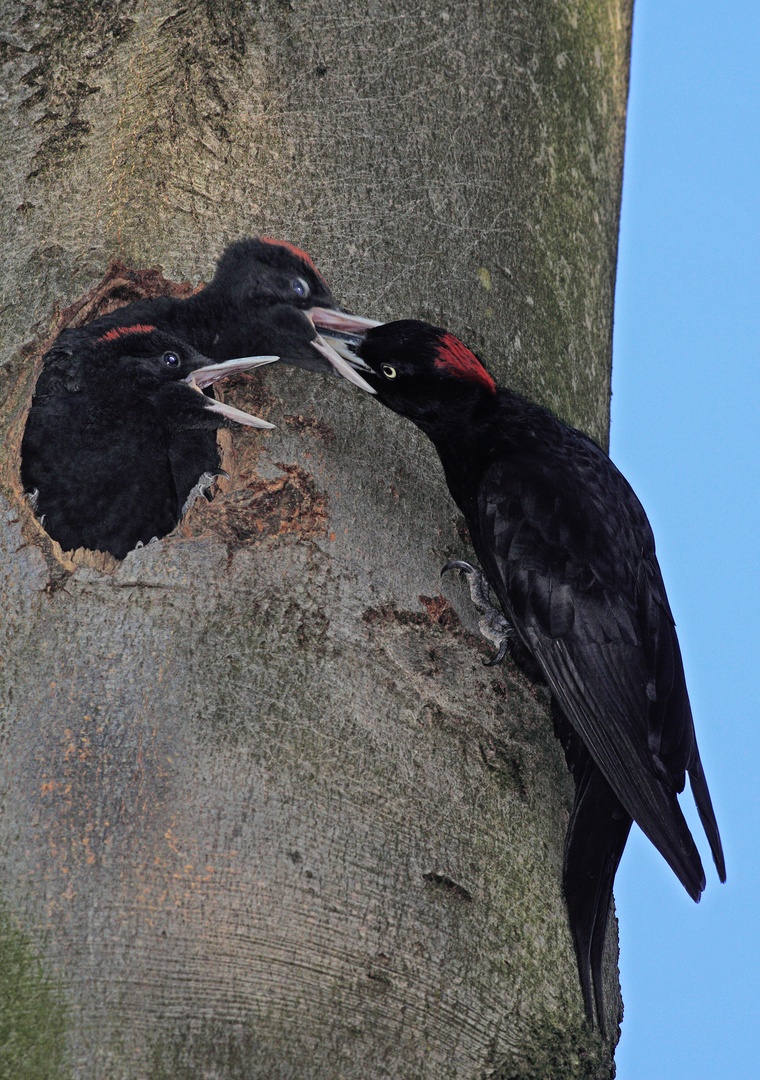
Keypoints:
pixel 103 452
pixel 569 552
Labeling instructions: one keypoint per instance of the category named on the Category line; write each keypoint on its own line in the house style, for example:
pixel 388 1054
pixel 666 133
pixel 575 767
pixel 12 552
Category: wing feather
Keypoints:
pixel 578 577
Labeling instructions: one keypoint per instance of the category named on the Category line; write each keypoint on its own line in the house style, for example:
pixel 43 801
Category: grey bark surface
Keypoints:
pixel 263 813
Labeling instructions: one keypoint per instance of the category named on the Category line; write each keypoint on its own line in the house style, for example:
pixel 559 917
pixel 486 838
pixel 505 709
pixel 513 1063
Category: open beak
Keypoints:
pixel 341 331
pixel 212 373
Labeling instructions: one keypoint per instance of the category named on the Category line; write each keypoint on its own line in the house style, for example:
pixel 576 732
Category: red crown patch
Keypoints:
pixel 124 331
pixel 456 358
pixel 293 251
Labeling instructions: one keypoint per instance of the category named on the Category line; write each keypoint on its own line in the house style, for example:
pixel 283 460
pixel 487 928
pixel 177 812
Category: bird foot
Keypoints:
pixel 203 488
pixel 492 624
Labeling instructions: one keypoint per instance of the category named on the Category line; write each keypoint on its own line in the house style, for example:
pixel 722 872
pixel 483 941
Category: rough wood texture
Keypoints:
pixel 263 812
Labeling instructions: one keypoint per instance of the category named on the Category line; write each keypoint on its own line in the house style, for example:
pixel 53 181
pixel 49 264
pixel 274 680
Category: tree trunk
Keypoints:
pixel 264 813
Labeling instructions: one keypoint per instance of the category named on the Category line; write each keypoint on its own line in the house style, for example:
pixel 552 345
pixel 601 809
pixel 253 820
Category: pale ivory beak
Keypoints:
pixel 342 328
pixel 212 373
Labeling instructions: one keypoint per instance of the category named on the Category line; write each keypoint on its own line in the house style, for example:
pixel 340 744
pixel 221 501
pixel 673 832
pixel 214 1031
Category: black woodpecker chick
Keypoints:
pixel 263 293
pixel 103 457
pixel 266 296
pixel 568 550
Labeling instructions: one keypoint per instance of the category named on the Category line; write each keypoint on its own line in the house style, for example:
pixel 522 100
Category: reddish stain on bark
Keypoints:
pixel 438 612
pixel 318 428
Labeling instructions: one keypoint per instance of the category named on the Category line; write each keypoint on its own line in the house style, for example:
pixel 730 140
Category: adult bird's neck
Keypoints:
pixel 480 426
pixel 463 433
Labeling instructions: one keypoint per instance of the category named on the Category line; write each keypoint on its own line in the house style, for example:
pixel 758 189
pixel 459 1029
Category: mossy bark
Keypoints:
pixel 264 813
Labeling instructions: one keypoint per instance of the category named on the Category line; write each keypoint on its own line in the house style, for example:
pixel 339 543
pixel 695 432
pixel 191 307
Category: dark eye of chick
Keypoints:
pixel 171 359
pixel 300 287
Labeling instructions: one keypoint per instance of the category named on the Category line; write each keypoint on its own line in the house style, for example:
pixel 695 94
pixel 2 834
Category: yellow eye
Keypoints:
pixel 388 371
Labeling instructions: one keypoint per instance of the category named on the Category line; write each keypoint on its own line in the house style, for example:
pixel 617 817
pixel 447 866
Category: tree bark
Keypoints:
pixel 264 813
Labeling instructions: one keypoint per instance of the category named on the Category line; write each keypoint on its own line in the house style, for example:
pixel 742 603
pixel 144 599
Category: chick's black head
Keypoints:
pixel 263 271
pixel 271 294
pixel 141 357
pixel 157 370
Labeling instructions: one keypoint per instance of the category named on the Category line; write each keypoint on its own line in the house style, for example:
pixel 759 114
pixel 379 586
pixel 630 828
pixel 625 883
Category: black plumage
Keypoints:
pixel 568 550
pixel 103 456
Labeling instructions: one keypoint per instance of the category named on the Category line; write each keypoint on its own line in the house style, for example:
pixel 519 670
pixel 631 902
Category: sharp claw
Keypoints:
pixel 202 487
pixel 492 625
pixel 502 650
pixel 458 564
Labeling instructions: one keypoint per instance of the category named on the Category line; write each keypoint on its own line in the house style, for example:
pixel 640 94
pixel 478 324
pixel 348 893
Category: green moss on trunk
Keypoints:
pixel 33 1017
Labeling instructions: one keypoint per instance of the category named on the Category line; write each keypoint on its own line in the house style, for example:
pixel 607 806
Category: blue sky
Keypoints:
pixel 686 433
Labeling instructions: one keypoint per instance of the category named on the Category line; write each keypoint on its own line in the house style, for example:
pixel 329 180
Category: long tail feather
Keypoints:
pixel 596 836
pixel 707 815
